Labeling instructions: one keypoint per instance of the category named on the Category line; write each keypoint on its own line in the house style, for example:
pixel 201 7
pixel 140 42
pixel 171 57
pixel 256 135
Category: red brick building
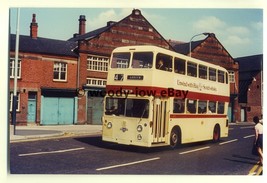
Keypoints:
pixel 47 75
pixel 95 48
pixel 211 50
pixel 250 86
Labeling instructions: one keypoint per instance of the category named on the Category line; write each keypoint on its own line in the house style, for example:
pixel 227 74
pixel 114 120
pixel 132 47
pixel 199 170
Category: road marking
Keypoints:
pixel 52 152
pixel 248 136
pixel 255 170
pixel 127 164
pixel 194 150
pixel 244 127
pixel 222 143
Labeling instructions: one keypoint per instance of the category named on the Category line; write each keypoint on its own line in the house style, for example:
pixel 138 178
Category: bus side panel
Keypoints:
pixel 198 129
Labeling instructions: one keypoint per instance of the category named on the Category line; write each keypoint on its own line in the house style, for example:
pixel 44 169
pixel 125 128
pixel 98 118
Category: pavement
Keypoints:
pixel 31 132
pixel 28 133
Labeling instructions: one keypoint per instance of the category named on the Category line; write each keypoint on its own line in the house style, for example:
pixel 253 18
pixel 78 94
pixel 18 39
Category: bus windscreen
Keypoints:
pixel 137 108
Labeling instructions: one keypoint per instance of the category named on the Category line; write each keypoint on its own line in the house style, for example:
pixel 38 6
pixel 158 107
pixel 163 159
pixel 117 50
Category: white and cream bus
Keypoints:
pixel 157 97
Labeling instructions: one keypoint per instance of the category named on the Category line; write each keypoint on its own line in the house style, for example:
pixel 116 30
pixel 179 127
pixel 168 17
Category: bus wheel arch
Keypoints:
pixel 216 133
pixel 175 137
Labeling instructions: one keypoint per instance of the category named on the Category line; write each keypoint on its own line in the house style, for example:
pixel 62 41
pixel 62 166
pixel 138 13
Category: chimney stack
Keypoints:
pixel 34 27
pixel 136 12
pixel 82 21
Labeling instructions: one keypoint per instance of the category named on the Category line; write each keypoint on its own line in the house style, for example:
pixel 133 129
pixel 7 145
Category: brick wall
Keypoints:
pixel 212 51
pixel 37 72
pixel 254 98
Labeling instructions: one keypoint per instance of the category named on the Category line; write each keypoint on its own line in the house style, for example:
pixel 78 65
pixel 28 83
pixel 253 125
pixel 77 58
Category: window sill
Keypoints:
pixel 61 81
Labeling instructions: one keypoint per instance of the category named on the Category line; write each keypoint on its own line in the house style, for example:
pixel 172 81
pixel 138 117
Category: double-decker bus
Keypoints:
pixel 157 97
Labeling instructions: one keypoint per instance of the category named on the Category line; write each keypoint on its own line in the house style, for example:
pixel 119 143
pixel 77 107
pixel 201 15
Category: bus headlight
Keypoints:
pixel 139 137
pixel 139 128
pixel 109 125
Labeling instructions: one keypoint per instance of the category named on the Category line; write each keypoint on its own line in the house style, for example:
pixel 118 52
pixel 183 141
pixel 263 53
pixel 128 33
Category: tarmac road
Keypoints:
pixel 90 155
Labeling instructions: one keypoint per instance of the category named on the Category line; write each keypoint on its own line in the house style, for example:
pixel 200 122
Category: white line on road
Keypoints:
pixel 127 164
pixel 222 143
pixel 194 150
pixel 244 127
pixel 52 152
pixel 248 136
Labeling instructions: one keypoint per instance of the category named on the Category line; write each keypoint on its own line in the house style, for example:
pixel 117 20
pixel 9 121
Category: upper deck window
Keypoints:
pixel 120 60
pixel 179 66
pixel 191 69
pixel 212 74
pixel 221 76
pixel 164 62
pixel 142 60
pixel 202 70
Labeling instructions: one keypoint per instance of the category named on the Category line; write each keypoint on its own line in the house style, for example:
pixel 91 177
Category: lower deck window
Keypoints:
pixel 178 105
pixel 212 107
pixel 202 107
pixel 191 106
pixel 127 107
pixel 220 108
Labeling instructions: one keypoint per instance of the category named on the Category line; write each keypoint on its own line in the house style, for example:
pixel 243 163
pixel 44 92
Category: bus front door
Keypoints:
pixel 160 120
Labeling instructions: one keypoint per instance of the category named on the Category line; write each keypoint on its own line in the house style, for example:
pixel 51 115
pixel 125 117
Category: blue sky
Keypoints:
pixel 239 30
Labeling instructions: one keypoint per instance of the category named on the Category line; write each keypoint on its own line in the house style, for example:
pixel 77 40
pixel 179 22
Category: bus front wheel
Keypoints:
pixel 175 137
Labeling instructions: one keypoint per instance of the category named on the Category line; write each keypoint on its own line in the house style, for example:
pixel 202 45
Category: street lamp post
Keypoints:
pixel 190 46
pixel 15 97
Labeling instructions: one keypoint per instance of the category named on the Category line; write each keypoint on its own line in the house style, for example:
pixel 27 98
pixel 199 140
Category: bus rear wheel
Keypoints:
pixel 175 138
pixel 216 133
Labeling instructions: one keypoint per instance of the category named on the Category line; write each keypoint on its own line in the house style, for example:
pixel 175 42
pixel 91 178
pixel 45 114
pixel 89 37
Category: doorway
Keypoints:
pixel 31 115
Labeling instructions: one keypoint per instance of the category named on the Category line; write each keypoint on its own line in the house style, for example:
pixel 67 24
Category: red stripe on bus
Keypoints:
pixel 198 116
pixel 191 95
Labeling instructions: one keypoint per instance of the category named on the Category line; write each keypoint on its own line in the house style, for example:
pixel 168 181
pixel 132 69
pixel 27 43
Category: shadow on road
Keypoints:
pixel 242 159
pixel 97 142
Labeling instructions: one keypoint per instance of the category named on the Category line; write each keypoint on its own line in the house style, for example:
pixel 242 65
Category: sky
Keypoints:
pixel 240 30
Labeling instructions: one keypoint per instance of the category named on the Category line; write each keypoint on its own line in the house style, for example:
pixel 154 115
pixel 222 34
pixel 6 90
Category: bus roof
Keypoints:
pixel 163 50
